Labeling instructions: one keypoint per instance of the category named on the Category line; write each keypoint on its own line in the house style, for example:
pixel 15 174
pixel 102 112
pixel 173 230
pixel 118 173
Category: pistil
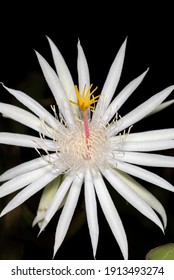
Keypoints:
pixel 86 126
pixel 85 102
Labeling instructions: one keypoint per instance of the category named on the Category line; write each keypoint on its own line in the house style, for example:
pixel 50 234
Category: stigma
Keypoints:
pixel 86 101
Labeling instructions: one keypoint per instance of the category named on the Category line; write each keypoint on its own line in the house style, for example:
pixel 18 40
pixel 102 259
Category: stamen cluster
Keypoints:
pixel 73 151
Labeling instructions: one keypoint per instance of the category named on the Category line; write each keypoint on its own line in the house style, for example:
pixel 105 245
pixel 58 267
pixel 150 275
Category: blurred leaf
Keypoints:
pixel 164 252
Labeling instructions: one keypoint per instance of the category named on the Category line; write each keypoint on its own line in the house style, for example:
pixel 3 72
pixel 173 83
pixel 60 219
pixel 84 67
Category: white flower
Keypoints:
pixel 84 143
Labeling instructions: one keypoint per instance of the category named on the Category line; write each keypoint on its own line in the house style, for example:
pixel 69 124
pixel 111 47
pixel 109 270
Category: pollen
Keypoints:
pixel 84 99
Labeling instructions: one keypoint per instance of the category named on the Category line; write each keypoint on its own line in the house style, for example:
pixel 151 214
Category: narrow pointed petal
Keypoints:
pixel 147 146
pixel 24 140
pixel 161 107
pixel 64 74
pixel 38 220
pixel 144 175
pixel 82 67
pixel 58 198
pixel 22 180
pixel 28 166
pixel 91 211
pixel 68 211
pixel 132 197
pixel 47 197
pixel 28 191
pixel 151 135
pixel 144 194
pixel 122 97
pixel 139 112
pixel 111 213
pixel 111 81
pixel 21 116
pixel 147 159
pixel 35 107
pixel 57 90
pixel 83 72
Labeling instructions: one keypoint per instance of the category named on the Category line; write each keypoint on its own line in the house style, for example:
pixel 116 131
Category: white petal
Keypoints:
pixel 162 106
pixel 82 67
pixel 111 213
pixel 151 135
pixel 132 197
pixel 91 210
pixel 47 197
pixel 111 82
pixel 24 140
pixel 38 220
pixel 64 74
pixel 58 198
pixel 22 180
pixel 83 72
pixel 144 194
pixel 144 175
pixel 35 107
pixel 147 159
pixel 28 166
pixel 122 97
pixel 68 211
pixel 139 112
pixel 57 90
pixel 22 116
pixel 146 146
pixel 28 191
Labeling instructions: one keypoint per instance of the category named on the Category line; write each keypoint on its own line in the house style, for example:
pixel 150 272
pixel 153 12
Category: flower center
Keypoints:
pixel 83 146
pixel 76 153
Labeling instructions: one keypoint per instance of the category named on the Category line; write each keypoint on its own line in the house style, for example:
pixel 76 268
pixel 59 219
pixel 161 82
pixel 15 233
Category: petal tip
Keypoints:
pixel 78 43
pixel 125 42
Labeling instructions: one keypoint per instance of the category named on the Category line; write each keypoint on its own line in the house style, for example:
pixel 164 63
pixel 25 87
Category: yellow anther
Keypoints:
pixel 84 100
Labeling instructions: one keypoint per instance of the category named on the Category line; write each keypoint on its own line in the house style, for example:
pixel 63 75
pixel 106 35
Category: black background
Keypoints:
pixel 101 29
